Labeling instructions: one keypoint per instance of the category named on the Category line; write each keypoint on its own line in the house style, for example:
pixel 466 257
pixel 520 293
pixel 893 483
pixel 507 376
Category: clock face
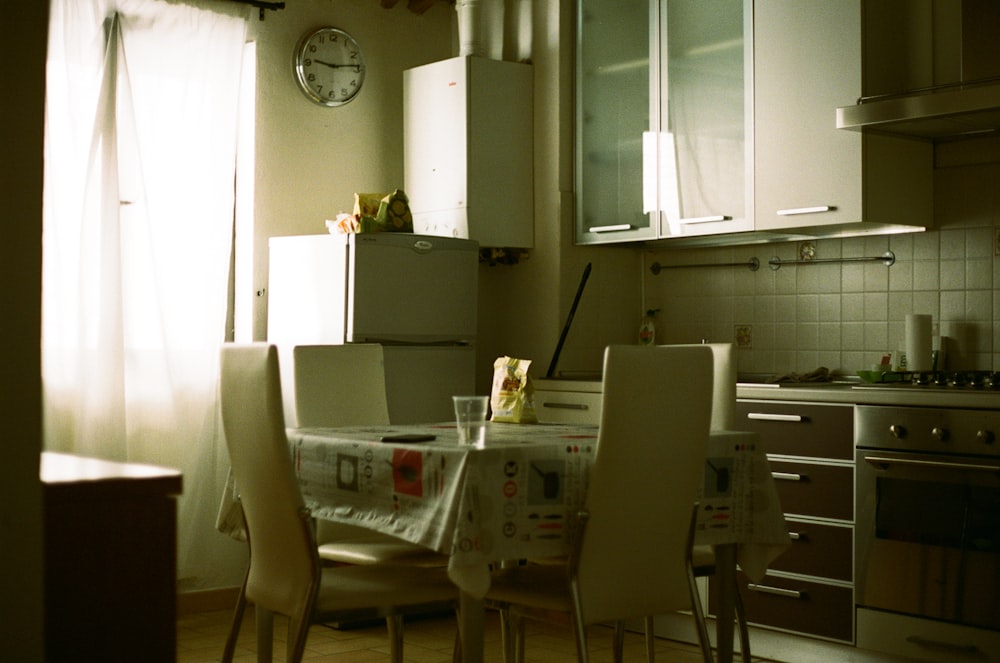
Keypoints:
pixel 329 66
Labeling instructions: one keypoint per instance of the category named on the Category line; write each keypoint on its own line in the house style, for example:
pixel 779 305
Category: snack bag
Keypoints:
pixel 512 398
pixel 394 213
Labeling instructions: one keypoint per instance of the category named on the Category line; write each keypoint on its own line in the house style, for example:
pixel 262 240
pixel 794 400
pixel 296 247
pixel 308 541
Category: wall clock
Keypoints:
pixel 329 66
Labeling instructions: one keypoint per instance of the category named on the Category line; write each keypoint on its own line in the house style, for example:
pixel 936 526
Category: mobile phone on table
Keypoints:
pixel 408 437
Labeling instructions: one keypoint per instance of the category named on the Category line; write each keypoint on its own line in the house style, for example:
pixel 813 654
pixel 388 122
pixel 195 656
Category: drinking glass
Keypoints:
pixel 470 418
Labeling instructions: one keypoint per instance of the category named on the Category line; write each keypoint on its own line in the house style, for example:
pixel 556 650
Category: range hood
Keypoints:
pixel 944 55
pixel 948 111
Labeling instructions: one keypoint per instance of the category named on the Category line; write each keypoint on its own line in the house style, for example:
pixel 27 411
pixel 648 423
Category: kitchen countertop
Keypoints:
pixel 849 391
pixel 853 393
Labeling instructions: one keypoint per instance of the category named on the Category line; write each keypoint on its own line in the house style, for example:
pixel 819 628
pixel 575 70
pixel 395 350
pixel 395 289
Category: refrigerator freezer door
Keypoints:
pixel 420 381
pixel 405 288
pixel 307 293
pixel 380 287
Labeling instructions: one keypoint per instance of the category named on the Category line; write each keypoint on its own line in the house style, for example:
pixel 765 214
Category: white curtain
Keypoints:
pixel 141 127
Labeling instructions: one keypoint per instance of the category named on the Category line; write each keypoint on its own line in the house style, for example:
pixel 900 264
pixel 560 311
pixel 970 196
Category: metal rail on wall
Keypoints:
pixel 888 259
pixel 753 265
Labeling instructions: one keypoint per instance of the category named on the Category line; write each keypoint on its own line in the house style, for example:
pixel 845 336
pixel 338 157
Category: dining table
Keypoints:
pixel 515 497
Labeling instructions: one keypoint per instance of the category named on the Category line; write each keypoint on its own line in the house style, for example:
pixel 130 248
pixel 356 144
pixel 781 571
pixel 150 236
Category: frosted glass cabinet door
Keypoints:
pixel 704 83
pixel 663 92
pixel 612 114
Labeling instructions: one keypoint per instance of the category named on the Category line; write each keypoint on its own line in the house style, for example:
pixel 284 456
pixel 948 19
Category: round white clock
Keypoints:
pixel 329 66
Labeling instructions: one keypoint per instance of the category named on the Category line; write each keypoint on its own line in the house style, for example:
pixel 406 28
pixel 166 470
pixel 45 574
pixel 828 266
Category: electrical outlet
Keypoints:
pixel 744 336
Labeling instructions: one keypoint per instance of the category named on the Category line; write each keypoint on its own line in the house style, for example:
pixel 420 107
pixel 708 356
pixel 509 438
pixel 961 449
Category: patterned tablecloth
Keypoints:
pixel 515 497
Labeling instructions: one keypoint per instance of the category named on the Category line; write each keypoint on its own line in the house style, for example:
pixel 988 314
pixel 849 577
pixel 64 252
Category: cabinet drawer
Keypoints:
pixel 797 605
pixel 800 429
pixel 812 489
pixel 568 407
pixel 818 550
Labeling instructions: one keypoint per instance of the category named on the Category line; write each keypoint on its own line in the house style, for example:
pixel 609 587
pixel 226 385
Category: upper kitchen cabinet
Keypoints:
pixel 663 92
pixel 809 175
pixel 467 158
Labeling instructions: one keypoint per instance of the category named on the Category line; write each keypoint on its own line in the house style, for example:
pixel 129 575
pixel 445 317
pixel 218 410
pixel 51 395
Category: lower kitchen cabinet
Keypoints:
pixel 809 589
pixel 799 605
pixel 819 549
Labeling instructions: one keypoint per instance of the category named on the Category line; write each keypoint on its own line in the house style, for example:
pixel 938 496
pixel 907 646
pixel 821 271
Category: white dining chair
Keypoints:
pixel 633 538
pixel 723 419
pixel 344 385
pixel 284 575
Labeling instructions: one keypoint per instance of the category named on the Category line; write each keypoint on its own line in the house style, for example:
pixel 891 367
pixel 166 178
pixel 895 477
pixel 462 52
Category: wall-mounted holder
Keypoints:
pixel 753 264
pixel 888 259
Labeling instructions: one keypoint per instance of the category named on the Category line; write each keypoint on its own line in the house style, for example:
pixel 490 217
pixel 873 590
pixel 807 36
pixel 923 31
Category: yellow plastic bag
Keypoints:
pixel 512 399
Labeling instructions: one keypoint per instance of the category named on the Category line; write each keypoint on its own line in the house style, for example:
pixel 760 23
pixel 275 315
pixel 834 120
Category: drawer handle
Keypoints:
pixel 806 210
pixel 789 476
pixel 797 536
pixel 567 406
pixel 764 416
pixel 777 591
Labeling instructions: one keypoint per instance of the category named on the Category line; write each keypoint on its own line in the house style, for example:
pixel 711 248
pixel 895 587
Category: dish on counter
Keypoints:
pixel 883 376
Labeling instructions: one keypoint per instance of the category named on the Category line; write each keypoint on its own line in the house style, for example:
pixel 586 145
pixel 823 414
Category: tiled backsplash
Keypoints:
pixel 845 316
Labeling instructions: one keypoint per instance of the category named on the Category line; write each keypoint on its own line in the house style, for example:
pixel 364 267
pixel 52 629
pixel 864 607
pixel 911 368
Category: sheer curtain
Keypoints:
pixel 141 128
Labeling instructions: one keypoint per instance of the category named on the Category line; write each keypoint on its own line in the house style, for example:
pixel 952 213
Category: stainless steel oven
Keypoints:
pixel 927 537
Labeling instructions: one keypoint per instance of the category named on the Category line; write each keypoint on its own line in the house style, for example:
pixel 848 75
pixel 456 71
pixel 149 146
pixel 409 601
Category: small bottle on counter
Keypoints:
pixel 647 327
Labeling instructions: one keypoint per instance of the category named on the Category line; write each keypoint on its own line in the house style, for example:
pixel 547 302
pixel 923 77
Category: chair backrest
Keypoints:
pixel 339 385
pixel 283 573
pixel 652 441
pixel 724 386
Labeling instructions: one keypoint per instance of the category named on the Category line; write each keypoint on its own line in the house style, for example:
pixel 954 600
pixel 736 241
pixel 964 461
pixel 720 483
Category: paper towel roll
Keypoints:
pixel 918 342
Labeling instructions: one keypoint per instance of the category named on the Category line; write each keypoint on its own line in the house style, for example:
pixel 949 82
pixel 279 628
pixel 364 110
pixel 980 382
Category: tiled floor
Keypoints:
pixel 201 637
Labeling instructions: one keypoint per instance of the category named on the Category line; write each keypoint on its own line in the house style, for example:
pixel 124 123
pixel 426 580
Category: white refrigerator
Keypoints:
pixel 416 295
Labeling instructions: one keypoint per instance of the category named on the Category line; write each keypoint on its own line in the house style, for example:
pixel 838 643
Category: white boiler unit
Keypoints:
pixel 467 155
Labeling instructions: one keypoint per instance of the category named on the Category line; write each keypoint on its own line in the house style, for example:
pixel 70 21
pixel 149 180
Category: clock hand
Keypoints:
pixel 355 67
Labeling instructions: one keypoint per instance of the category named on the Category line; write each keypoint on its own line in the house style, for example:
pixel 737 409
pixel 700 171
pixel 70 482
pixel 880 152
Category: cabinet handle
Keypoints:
pixel 792 211
pixel 764 416
pixel 706 219
pixel 797 536
pixel 567 406
pixel 777 591
pixel 618 227
pixel 788 476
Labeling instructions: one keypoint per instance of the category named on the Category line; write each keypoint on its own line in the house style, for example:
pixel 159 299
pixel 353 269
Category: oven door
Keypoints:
pixel 928 536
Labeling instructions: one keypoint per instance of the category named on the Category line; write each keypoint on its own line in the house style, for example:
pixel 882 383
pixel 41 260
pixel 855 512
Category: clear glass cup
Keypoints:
pixel 470 419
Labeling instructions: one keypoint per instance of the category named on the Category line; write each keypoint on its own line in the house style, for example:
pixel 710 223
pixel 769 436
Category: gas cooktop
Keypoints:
pixel 952 380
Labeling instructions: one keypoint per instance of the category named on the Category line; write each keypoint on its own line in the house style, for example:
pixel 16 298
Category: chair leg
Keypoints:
pixel 234 629
pixel 619 642
pixel 298 631
pixel 395 625
pixel 582 655
pixel 265 634
pixel 519 638
pixel 741 623
pixel 507 635
pixel 699 618
pixel 650 639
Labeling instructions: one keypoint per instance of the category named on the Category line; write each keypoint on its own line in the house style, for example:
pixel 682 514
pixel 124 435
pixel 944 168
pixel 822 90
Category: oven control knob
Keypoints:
pixel 940 434
pixel 985 436
pixel 897 431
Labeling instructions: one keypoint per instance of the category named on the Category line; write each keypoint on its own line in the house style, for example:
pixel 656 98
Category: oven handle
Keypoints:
pixel 883 463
